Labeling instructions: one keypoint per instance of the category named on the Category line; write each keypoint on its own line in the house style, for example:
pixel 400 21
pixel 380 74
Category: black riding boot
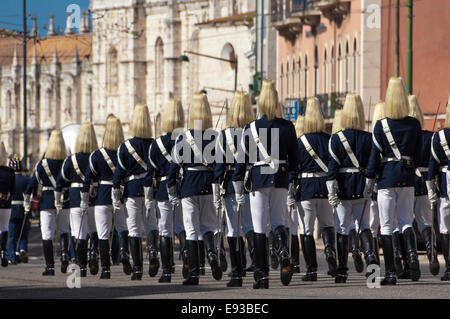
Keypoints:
pixel 398 245
pixel 329 250
pixel 152 244
pixel 136 254
pixel 309 254
pixel 376 248
pixel 261 273
pixel 367 246
pixel 342 247
pixel 194 264
pixel 387 245
pixel 431 251
pixel 64 246
pixel 213 259
pixel 251 249
pixel 295 254
pixel 236 263
pixel 405 274
pixel 445 243
pixel 243 254
pixel 202 256
pixel 281 237
pixel 223 259
pixel 3 249
pixel 105 259
pixel 82 256
pixel 124 252
pixel 166 259
pixel 184 253
pixel 93 254
pixel 411 253
pixel 274 262
pixel 354 248
pixel 48 255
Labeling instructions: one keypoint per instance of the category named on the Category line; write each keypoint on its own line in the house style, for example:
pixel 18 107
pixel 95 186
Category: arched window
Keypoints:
pixel 89 104
pixel 355 66
pixel 325 72
pixel 294 94
pixel 287 80
pixel 347 68
pixel 8 106
pixel 333 74
pixel 68 106
pixel 306 76
pixel 339 69
pixel 49 102
pixel 228 53
pixel 113 71
pixel 159 66
pixel 299 70
pixel 316 70
pixel 281 82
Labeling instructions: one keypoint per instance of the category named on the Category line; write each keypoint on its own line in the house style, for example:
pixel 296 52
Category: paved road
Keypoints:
pixel 25 281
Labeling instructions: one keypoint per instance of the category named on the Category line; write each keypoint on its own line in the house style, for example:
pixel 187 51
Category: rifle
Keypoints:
pixel 435 118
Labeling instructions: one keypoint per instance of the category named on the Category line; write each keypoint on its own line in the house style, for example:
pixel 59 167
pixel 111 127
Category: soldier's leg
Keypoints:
pixel 103 223
pixel 48 229
pixel 308 216
pixel 165 225
pixel 191 221
pixel 64 234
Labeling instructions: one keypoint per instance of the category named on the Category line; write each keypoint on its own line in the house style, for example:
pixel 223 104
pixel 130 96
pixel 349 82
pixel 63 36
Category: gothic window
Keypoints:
pixel 89 103
pixel 299 77
pixel 287 80
pixel 355 65
pixel 113 71
pixel 333 74
pixel 325 73
pixel 68 104
pixel 49 103
pixel 347 67
pixel 8 106
pixel 339 76
pixel 281 81
pixel 159 65
pixel 316 70
pixel 306 76
pixel 293 79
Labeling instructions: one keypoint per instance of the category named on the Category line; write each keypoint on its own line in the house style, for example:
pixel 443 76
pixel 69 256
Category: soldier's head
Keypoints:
pixel 378 113
pixel 3 155
pixel 113 133
pixel 200 113
pixel 86 141
pixel 15 163
pixel 141 125
pixel 299 124
pixel 396 102
pixel 337 126
pixel 314 121
pixel 56 147
pixel 173 116
pixel 240 113
pixel 268 103
pixel 415 110
pixel 447 114
pixel 352 116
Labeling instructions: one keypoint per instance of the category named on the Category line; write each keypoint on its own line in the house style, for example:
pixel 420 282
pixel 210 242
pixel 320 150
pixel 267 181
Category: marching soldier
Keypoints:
pixel 195 189
pixel 349 150
pixel 7 188
pixel 158 164
pixel 54 221
pixel 438 182
pixel 132 156
pixel 313 152
pixel 396 152
pixel 422 207
pixel 82 219
pixel 19 224
pixel 102 165
pixel 240 114
pixel 269 182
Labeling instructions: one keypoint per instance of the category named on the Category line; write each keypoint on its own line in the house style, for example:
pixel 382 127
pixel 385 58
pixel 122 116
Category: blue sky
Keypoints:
pixel 11 13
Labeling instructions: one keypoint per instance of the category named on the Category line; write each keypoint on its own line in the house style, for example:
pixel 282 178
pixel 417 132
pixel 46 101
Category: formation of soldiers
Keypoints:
pixel 263 181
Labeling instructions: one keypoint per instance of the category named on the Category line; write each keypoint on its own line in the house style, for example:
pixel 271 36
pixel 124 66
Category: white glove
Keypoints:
pixel 84 203
pixel 239 191
pixel 368 189
pixel 332 187
pixel 432 195
pixel 216 196
pixel 115 196
pixel 148 193
pixel 27 203
pixel 58 204
pixel 173 199
pixel 291 197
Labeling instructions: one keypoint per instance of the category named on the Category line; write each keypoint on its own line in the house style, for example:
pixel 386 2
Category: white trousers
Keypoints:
pixel 179 226
pixel 199 216
pixel 231 207
pixel 396 207
pixel 135 214
pixel 374 218
pixel 5 215
pixel 103 220
pixel 444 215
pixel 350 213
pixel 166 218
pixel 268 206
pixel 52 225
pixel 422 212
pixel 294 220
pixel 81 225
pixel 315 208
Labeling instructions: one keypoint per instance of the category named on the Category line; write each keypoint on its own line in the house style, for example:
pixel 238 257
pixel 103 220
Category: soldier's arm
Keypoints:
pixel 433 165
pixel 91 174
pixel 62 180
pixel 333 162
pixel 121 171
pixel 375 153
pixel 151 163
